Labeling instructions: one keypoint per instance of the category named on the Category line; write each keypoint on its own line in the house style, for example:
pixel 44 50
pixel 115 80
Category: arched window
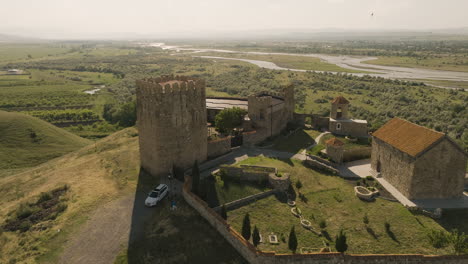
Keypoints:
pixel 339 112
pixel 338 126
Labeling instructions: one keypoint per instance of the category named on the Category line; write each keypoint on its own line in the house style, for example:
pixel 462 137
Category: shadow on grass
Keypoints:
pixel 162 235
pixel 392 235
pixel 371 232
pixel 326 235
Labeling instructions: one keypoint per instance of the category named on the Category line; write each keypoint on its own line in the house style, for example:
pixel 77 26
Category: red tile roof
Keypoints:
pixel 334 142
pixel 407 137
pixel 340 100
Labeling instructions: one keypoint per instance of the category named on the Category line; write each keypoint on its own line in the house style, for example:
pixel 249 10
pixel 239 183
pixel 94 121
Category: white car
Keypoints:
pixel 156 195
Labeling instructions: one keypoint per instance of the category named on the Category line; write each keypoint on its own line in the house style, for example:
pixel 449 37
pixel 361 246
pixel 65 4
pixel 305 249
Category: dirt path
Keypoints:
pixel 106 232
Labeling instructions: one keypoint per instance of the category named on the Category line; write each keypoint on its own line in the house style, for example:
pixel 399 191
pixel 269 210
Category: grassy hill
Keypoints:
pixel 26 141
pixel 96 176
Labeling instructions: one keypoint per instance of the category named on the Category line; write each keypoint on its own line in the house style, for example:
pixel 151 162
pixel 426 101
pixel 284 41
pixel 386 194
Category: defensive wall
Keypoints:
pixel 255 256
pixel 218 147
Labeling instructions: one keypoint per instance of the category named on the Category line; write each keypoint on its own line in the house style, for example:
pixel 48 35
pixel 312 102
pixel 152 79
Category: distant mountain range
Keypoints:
pixel 277 34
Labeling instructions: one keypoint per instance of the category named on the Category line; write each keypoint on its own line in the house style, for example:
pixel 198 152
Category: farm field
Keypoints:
pixel 331 200
pixel 441 62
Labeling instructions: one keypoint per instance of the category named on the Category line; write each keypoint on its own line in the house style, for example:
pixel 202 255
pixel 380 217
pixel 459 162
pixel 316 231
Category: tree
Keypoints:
pixel 292 242
pixel 365 219
pixel 256 236
pixel 223 212
pixel 228 119
pixel 340 242
pixel 246 230
pixel 195 178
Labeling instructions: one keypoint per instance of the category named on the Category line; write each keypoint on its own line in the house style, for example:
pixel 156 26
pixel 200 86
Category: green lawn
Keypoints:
pixel 297 141
pixel 332 199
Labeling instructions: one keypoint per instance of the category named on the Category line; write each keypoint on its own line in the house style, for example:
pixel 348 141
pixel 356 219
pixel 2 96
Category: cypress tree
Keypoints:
pixel 195 178
pixel 224 212
pixel 292 242
pixel 246 230
pixel 256 236
pixel 340 242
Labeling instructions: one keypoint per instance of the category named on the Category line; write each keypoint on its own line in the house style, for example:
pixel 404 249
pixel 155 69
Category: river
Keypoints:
pixel 347 62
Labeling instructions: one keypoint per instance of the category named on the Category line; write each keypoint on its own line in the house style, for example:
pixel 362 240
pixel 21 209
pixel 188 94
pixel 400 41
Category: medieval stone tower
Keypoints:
pixel 339 108
pixel 171 113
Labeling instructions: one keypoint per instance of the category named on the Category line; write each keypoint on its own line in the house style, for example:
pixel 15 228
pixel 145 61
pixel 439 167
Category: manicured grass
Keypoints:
pixel 26 141
pixel 228 190
pixel 297 141
pixel 332 199
pixel 441 62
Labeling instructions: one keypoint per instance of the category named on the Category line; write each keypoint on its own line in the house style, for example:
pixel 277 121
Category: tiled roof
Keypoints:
pixel 407 137
pixel 340 100
pixel 334 142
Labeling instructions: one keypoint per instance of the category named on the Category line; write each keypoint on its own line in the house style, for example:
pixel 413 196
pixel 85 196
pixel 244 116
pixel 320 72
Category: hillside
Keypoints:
pixel 26 141
pixel 98 211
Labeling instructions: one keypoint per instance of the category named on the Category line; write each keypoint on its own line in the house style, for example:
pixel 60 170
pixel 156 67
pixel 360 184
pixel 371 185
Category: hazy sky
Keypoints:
pixel 77 18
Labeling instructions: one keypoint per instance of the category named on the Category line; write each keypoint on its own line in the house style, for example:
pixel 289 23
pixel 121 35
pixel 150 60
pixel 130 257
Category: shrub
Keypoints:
pixel 24 226
pixel 438 238
pixel 292 242
pixel 365 219
pixel 358 183
pixel 44 196
pixel 369 178
pixel 298 184
pixel 322 224
pixel 24 211
pixel 246 229
pixel 61 207
pixel 459 242
pixel 340 242
pixel 256 236
pixel 387 227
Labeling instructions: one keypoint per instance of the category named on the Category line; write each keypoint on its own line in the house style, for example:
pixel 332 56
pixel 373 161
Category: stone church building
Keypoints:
pixel 419 162
pixel 341 124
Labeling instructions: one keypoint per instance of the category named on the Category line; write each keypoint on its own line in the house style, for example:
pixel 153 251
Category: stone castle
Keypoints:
pixel 172 115
pixel 171 122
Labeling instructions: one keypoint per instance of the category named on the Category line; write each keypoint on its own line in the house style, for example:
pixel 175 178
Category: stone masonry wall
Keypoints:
pixel 357 153
pixel 219 147
pixel 439 173
pixel 171 119
pixel 348 128
pixel 395 167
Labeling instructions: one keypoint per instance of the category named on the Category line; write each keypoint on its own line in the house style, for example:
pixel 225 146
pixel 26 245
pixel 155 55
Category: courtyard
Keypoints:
pixel 330 204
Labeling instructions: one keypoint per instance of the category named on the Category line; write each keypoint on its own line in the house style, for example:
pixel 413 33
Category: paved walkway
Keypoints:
pixel 317 140
pixel 355 169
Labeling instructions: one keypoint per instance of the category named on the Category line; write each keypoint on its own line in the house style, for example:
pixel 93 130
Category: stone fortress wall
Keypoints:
pixel 171 115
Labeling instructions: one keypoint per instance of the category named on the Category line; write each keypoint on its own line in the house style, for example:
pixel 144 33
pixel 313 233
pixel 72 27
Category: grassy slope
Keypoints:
pixel 332 199
pixel 18 149
pixel 96 174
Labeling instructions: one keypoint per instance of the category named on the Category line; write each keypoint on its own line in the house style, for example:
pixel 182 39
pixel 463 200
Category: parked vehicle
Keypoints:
pixel 156 195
